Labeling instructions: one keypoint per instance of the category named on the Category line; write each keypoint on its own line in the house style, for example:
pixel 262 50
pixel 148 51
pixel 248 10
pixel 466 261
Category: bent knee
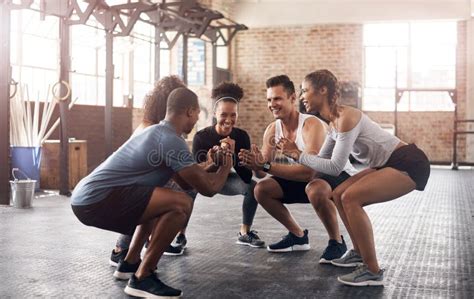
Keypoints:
pixel 317 191
pixel 184 204
pixel 264 190
pixel 349 200
pixel 336 195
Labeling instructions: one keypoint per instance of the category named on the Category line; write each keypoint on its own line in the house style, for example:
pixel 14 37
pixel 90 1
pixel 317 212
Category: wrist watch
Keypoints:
pixel 267 166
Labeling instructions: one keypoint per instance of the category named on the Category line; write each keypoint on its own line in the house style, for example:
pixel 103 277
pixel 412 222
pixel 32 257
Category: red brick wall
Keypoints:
pixel 87 123
pixel 263 52
pixel 431 131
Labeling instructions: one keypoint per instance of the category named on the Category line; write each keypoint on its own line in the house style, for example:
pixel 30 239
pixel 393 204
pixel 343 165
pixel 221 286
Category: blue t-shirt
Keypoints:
pixel 149 158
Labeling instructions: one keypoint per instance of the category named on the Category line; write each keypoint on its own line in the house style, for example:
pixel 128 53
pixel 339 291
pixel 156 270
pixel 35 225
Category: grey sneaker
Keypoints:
pixel 362 277
pixel 250 239
pixel 349 259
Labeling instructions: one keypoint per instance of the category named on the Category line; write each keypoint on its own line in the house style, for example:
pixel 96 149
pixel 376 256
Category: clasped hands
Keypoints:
pixel 254 160
pixel 288 148
pixel 223 154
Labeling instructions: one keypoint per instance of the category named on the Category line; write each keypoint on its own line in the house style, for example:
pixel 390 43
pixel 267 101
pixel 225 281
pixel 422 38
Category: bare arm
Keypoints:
pixel 268 148
pixel 342 146
pixel 208 184
pixel 313 135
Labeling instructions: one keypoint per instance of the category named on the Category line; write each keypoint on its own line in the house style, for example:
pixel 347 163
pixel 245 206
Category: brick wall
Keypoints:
pixel 87 123
pixel 263 52
pixel 431 131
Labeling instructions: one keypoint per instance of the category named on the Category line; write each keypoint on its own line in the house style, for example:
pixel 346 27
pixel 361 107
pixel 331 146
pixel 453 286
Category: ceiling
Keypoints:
pixel 262 13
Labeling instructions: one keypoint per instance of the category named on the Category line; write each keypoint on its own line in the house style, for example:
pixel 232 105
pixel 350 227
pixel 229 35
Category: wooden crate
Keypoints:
pixel 50 163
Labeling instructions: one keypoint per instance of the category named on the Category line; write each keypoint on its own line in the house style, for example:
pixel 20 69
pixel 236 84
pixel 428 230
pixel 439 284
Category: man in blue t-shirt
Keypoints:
pixel 125 192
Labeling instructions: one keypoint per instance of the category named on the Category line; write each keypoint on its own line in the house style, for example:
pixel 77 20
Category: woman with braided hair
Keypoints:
pixel 395 168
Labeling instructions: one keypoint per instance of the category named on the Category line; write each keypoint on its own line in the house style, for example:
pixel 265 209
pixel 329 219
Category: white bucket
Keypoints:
pixel 22 191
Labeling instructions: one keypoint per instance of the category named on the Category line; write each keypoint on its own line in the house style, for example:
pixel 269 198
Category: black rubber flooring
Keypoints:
pixel 424 241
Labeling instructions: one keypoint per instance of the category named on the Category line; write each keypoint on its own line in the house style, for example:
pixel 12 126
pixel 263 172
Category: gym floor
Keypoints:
pixel 424 241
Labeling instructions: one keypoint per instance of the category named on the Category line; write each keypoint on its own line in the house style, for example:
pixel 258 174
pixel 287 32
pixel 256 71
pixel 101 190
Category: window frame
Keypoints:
pixel 407 102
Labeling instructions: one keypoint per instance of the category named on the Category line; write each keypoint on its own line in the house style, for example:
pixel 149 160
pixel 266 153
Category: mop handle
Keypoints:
pixel 20 171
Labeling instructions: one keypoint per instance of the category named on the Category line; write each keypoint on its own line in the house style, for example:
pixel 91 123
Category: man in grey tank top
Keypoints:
pixel 287 183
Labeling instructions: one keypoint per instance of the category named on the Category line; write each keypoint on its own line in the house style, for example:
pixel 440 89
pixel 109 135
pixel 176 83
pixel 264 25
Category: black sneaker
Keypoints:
pixel 250 239
pixel 125 270
pixel 177 246
pixel 115 257
pixel 174 250
pixel 180 241
pixel 150 287
pixel 333 251
pixel 291 242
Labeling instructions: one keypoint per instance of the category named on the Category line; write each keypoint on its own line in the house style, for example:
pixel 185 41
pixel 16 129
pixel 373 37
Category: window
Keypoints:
pixel 32 38
pixel 416 55
pixel 196 61
pixel 86 44
pixel 222 52
pixel 222 60
pixel 133 59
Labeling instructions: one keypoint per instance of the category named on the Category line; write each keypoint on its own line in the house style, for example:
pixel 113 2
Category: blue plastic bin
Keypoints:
pixel 28 160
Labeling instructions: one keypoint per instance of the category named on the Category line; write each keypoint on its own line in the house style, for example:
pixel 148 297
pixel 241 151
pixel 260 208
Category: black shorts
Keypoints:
pixel 120 211
pixel 412 160
pixel 295 192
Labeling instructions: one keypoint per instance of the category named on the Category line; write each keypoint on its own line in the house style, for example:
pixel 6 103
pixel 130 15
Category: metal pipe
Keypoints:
pixel 157 53
pixel 109 92
pixel 185 60
pixel 64 59
pixel 454 165
pixel 214 65
pixel 5 80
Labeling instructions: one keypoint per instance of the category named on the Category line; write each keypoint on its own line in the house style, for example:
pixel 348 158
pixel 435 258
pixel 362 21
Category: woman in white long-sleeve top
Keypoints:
pixel 395 168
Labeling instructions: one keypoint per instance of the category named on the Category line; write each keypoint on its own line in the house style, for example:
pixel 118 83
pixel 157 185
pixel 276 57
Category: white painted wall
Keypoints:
pixel 267 13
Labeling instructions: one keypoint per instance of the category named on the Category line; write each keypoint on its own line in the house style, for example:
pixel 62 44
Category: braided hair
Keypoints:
pixel 327 79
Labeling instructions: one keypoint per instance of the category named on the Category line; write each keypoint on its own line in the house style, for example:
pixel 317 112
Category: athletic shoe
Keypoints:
pixel 115 257
pixel 125 270
pixel 250 239
pixel 291 242
pixel 362 277
pixel 174 250
pixel 349 259
pixel 334 250
pixel 150 287
pixel 180 240
pixel 177 246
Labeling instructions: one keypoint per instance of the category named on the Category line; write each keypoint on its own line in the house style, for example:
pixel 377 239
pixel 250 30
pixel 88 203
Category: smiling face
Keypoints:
pixel 226 115
pixel 279 102
pixel 312 99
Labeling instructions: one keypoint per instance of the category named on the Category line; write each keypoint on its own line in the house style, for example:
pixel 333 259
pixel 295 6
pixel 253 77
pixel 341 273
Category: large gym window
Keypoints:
pixel 416 55
pixel 34 52
pixel 35 59
pixel 196 61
